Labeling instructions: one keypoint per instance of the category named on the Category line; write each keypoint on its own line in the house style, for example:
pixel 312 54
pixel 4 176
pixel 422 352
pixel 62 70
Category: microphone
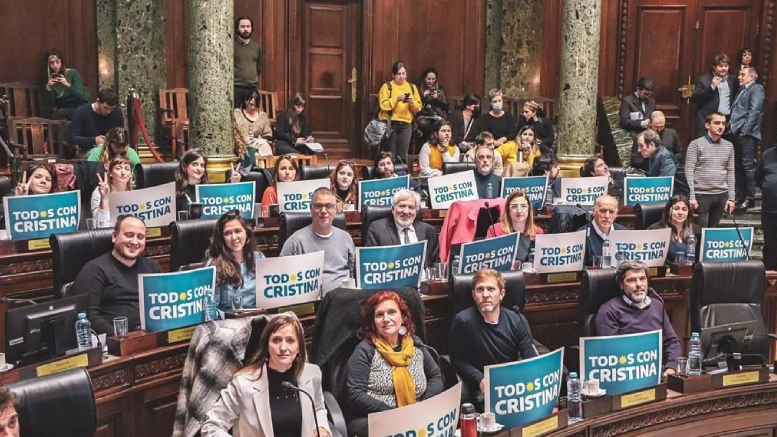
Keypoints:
pixel 327 161
pixel 587 218
pixel 487 206
pixel 739 233
pixel 14 300
pixel 289 386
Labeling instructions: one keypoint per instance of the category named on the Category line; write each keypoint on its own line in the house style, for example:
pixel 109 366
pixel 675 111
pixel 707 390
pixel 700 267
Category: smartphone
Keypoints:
pixel 407 96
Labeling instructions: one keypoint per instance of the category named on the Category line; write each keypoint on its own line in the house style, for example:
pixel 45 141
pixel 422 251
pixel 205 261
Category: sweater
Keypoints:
pixel 709 167
pixel 502 126
pixel 88 124
pixel 616 317
pixel 248 63
pixel 481 183
pixel 67 97
pixel 400 111
pixel 339 250
pixel 96 152
pixel 283 128
pixel 113 290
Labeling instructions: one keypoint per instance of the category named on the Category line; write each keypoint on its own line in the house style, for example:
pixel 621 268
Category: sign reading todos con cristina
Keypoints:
pixel 38 216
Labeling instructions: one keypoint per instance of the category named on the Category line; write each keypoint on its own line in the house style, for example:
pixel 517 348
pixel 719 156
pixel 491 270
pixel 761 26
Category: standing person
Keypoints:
pixel 401 100
pixel 463 121
pixel 65 90
pixel 91 121
pixel 434 103
pixel 345 185
pixel 746 117
pixel 745 58
pixel 117 179
pixel 634 115
pixel 714 92
pixel 766 178
pixel 286 170
pixel 661 162
pixel 709 169
pixel 534 116
pixel 248 60
pixel 292 130
pixel 253 127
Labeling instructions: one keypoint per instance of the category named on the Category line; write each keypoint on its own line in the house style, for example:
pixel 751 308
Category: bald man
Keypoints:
pixel 605 212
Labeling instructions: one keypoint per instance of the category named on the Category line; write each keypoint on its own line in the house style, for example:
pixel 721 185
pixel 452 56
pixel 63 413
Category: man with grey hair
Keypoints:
pixel 661 161
pixel 746 117
pixel 403 228
pixel 634 312
pixel 669 137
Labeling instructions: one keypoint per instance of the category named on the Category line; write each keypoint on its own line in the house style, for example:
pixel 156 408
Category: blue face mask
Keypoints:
pixel 496 106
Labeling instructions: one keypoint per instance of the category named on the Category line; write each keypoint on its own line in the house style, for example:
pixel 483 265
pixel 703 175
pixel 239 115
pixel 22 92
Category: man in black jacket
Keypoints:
pixel 766 178
pixel 662 162
pixel 714 92
pixel 635 113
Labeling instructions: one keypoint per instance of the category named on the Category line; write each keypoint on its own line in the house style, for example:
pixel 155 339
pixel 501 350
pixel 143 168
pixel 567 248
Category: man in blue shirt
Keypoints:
pixel 91 121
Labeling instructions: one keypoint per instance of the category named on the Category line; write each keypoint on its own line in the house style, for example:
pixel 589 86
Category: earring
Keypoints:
pixel 402 330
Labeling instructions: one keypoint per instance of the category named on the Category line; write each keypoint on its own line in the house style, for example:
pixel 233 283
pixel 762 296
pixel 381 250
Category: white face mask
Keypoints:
pixel 497 106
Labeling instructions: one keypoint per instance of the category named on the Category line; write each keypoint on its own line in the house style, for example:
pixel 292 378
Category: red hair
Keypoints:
pixel 367 330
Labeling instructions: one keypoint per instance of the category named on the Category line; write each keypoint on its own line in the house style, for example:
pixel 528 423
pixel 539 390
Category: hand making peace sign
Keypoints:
pixel 235 177
pixel 23 187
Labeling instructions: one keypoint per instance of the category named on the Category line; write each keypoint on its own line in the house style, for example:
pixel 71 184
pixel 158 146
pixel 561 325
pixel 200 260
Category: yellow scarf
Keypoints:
pixel 435 156
pixel 404 387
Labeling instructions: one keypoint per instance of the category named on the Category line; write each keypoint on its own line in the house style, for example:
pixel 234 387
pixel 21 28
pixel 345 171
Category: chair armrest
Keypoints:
pixel 15 145
pixel 335 413
pixel 772 337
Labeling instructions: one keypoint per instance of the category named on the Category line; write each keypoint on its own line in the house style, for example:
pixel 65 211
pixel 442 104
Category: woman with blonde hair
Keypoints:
pixel 117 179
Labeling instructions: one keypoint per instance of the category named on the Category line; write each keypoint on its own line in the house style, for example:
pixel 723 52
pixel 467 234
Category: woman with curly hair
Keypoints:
pixel 345 184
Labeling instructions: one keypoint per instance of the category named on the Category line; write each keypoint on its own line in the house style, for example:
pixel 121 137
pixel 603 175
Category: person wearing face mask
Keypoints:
pixel 38 179
pixel 500 123
pixel 117 179
pixel 534 116
pixel 400 100
pixel 255 403
pixel 193 170
pixel 390 368
pixel 714 92
pixel 403 228
pixel 286 170
pixel 677 216
pixel 436 151
pixel 233 253
pixel 634 312
pixel 463 122
pixel 484 173
pixel 345 185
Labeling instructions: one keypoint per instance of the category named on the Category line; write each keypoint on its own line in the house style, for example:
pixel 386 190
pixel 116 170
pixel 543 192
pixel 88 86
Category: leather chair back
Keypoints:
pixel 618 174
pixel 370 214
pixel 59 404
pixel 5 186
pixel 597 287
pixel 457 167
pixel 460 294
pixel 646 215
pixel 189 239
pixel 262 180
pixel 368 171
pixel 736 282
pixel 291 222
pixel 310 172
pixel 726 313
pixel 158 173
pixel 70 252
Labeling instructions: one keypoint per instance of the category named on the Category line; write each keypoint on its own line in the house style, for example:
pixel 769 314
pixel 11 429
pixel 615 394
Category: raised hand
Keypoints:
pixel 235 177
pixel 102 185
pixel 23 188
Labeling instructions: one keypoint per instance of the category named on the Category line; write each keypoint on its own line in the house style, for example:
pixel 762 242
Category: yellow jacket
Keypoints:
pixel 401 111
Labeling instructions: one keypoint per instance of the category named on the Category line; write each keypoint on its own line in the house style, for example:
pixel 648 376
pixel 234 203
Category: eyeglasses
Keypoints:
pixel 517 206
pixel 323 206
pixel 346 162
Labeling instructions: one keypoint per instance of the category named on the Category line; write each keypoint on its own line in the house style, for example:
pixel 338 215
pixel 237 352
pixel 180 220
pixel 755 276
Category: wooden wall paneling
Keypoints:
pixel 725 27
pixel 473 51
pixel 609 46
pixel 116 417
pixel 275 48
pixel 767 65
pixel 177 43
pixel 157 406
pixel 550 60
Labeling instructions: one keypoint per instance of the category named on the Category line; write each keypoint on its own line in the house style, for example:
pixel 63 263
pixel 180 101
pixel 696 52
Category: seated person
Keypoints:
pixel 117 179
pixel 547 165
pixel 403 228
pixel 234 255
pixel 500 123
pixel 661 162
pixel 65 90
pixel 595 166
pixel 384 168
pixel 322 235
pixel 286 170
pixel 255 403
pixel 518 216
pixel 677 216
pixel 484 139
pixel 486 334
pixel 111 280
pixel 38 179
pixel 292 131
pixel 530 145
pixel 193 170
pixel 463 122
pixel 605 211
pixel 534 116
pixel 436 151
pixel 484 173
pixel 345 184
pixel 669 137
pixel 9 418
pixel 253 128
pixel 634 312
pixel 390 368
pixel 91 121
pixel 118 144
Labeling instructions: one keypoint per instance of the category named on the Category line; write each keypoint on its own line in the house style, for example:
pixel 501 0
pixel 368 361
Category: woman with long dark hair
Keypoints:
pixel 292 131
pixel 678 216
pixel 193 170
pixel 38 179
pixel 65 90
pixel 437 150
pixel 255 402
pixel 434 103
pixel 286 170
pixel 252 131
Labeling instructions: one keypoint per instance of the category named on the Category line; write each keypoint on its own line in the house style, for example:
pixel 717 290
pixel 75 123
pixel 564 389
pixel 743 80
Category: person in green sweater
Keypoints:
pixel 65 90
pixel 117 140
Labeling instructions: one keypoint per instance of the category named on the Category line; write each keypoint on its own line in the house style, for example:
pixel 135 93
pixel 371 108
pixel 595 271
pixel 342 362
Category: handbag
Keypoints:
pixel 378 133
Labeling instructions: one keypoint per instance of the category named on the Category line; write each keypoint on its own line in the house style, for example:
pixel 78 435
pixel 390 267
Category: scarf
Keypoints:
pixel 435 156
pixel 404 387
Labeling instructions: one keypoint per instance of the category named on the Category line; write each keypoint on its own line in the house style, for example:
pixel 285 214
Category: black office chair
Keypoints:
pixel 6 186
pixel 70 252
pixel 310 172
pixel 647 215
pixel 262 179
pixel 371 214
pixel 189 239
pixel 155 174
pixel 291 222
pixel 457 167
pixel 567 218
pixel 368 171
pixel 597 287
pixel 61 404
pixel 460 292
pixel 334 339
pixel 730 292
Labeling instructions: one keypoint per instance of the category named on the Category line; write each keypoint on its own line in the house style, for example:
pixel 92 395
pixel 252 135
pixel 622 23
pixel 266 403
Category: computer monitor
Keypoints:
pixel 43 331
pixel 721 340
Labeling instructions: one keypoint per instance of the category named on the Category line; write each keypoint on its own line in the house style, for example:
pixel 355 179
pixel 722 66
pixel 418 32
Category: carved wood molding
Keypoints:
pixel 624 18
pixel 768 42
pixel 16 268
pixel 566 294
pixel 159 366
pixel 109 380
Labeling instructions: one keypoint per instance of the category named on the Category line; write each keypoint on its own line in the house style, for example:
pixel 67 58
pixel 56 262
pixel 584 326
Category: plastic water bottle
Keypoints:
pixel 490 191
pixel 694 354
pixel 606 254
pixel 209 306
pixel 83 332
pixel 574 402
pixel 690 253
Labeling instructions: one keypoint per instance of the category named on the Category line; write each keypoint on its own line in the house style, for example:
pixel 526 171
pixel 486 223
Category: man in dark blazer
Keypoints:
pixel 661 161
pixel 403 228
pixel 635 113
pixel 605 211
pixel 714 92
pixel 746 117
pixel 669 137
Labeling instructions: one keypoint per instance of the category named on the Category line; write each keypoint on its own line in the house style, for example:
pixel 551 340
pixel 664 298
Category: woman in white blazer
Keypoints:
pixel 256 404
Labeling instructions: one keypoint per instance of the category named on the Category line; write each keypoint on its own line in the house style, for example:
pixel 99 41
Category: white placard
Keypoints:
pixel 584 191
pixel 296 196
pixel 555 253
pixel 434 417
pixel 446 189
pixel 649 246
pixel 289 280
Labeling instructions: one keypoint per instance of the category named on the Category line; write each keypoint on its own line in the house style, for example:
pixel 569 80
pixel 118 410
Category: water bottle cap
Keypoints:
pixel 81 315
pixel 573 374
pixel 467 409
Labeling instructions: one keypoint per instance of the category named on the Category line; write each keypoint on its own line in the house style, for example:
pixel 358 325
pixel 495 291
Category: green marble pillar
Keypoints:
pixel 522 48
pixel 211 53
pixel 494 42
pixel 579 79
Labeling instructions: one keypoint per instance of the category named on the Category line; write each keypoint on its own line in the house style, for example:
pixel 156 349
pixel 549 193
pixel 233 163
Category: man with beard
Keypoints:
pixel 484 334
pixel 634 312
pixel 484 173
pixel 485 138
pixel 403 228
pixel 111 280
pixel 248 60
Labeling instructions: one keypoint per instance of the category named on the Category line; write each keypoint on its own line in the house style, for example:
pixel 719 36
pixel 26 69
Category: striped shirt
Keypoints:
pixel 709 167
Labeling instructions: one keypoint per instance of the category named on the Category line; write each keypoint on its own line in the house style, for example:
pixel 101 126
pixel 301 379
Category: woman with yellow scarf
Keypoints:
pixel 390 368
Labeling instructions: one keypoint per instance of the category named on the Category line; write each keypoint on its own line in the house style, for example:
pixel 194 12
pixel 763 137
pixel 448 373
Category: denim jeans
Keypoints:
pixel 744 161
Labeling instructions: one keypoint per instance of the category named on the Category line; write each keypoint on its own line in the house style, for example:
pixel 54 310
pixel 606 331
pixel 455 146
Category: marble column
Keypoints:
pixel 493 68
pixel 579 79
pixel 211 53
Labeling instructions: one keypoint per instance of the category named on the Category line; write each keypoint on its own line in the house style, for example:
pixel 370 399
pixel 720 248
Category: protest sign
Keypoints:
pixel 437 416
pixel 296 196
pixel 648 245
pixel 155 205
pixel 174 300
pixel 446 189
pixel 380 192
pixel 289 280
pixel 493 253
pixel 622 363
pixel 218 199
pixel 390 266
pixel 584 191
pixel 40 215
pixel 647 191
pixel 535 188
pixel 555 253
